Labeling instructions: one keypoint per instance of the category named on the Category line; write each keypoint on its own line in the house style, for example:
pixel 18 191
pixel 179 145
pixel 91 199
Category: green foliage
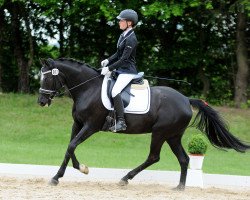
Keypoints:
pixel 197 144
pixel 195 3
pixel 243 6
pixel 49 51
pixel 163 10
pixel 176 39
pixel 108 9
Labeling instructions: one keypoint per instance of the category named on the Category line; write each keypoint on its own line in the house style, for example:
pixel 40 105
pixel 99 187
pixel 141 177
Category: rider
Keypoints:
pixel 123 62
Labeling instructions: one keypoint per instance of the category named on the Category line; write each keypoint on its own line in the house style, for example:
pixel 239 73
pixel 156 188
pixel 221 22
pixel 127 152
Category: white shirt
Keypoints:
pixel 126 31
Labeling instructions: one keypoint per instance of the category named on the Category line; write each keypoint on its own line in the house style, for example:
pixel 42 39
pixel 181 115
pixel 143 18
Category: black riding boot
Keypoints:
pixel 119 108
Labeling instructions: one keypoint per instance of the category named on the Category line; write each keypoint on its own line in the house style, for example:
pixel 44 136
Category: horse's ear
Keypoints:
pixel 42 61
pixel 50 62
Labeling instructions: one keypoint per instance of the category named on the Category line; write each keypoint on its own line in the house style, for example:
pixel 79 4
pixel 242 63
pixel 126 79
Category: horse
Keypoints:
pixel 167 119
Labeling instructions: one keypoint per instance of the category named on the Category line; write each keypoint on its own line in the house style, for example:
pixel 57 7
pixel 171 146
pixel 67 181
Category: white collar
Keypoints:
pixel 126 31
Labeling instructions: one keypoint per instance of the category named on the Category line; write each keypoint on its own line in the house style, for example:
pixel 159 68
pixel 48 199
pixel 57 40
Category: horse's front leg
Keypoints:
pixel 61 171
pixel 54 181
pixel 83 134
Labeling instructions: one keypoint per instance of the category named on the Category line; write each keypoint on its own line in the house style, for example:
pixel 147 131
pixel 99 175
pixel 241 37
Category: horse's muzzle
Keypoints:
pixel 43 101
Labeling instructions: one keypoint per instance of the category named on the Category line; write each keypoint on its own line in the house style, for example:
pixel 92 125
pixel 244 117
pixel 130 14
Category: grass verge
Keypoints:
pixel 34 135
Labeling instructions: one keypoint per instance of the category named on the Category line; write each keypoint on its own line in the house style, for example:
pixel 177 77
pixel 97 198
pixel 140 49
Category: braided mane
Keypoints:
pixel 78 62
pixel 72 60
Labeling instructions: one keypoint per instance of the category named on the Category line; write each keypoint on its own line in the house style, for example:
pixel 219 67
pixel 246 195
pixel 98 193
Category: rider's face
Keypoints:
pixel 123 24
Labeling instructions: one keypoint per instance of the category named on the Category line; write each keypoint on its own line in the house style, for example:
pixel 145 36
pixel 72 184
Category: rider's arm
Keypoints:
pixel 130 45
pixel 113 58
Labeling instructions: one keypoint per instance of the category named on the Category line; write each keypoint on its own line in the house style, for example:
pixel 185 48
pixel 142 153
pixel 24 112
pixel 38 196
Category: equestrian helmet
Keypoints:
pixel 129 15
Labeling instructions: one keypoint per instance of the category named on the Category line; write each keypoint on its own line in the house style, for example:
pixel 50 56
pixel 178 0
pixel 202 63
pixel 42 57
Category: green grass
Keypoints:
pixel 31 134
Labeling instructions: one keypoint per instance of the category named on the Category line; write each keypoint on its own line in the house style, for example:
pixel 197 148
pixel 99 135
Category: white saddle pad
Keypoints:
pixel 139 103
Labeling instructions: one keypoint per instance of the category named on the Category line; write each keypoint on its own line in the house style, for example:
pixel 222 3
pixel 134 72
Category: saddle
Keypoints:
pixel 126 92
pixel 136 97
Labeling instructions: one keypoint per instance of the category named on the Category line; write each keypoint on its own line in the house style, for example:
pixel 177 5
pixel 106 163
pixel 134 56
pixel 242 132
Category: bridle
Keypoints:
pixel 55 73
pixel 52 93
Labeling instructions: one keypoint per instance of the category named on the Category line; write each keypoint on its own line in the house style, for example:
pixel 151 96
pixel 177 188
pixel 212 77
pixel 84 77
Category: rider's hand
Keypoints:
pixel 104 63
pixel 105 70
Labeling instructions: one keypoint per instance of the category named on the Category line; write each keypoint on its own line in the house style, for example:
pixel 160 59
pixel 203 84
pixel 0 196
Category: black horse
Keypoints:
pixel 169 115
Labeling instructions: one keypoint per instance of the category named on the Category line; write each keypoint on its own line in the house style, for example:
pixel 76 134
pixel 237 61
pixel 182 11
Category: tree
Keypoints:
pixel 192 40
pixel 1 44
pixel 20 34
pixel 15 9
pixel 206 41
pixel 242 75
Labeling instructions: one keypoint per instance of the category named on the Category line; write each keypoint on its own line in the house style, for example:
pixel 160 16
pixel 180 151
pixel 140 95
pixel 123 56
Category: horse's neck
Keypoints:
pixel 89 94
pixel 81 81
pixel 75 74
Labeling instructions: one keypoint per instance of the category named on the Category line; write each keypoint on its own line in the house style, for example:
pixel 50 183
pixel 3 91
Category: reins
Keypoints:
pixel 55 72
pixel 84 82
pixel 168 79
pixel 72 88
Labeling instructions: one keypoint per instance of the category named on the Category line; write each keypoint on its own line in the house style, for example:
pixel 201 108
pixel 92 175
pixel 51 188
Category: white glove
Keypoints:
pixel 105 70
pixel 104 63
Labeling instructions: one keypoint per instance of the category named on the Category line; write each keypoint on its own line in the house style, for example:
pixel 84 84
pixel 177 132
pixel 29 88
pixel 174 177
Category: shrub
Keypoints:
pixel 197 144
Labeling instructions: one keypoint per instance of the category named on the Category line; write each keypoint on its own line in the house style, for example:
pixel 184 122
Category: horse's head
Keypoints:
pixel 50 82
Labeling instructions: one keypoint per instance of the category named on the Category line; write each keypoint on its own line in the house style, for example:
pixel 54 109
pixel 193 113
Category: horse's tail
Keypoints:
pixel 215 128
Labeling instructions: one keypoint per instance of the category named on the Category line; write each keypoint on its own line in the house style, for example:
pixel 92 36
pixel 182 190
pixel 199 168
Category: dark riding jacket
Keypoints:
pixel 124 58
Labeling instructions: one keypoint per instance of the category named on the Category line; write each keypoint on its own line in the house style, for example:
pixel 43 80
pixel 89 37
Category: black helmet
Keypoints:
pixel 129 15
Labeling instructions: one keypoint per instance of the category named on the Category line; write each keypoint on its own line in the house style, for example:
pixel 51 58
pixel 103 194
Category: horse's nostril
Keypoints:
pixel 41 102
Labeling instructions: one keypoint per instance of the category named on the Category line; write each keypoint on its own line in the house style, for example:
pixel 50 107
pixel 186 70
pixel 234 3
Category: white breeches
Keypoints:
pixel 121 82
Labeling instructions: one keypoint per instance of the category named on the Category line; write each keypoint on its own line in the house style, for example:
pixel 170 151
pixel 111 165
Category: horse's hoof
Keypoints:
pixel 123 183
pixel 84 169
pixel 53 182
pixel 179 188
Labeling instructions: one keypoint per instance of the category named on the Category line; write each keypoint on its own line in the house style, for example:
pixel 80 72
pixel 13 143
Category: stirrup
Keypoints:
pixel 119 126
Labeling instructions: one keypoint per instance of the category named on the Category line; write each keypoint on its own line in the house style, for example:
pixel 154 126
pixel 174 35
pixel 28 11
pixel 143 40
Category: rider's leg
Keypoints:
pixel 119 108
pixel 121 82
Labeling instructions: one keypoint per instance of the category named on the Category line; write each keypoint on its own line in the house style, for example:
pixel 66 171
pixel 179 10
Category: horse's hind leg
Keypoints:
pixel 178 150
pixel 157 141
